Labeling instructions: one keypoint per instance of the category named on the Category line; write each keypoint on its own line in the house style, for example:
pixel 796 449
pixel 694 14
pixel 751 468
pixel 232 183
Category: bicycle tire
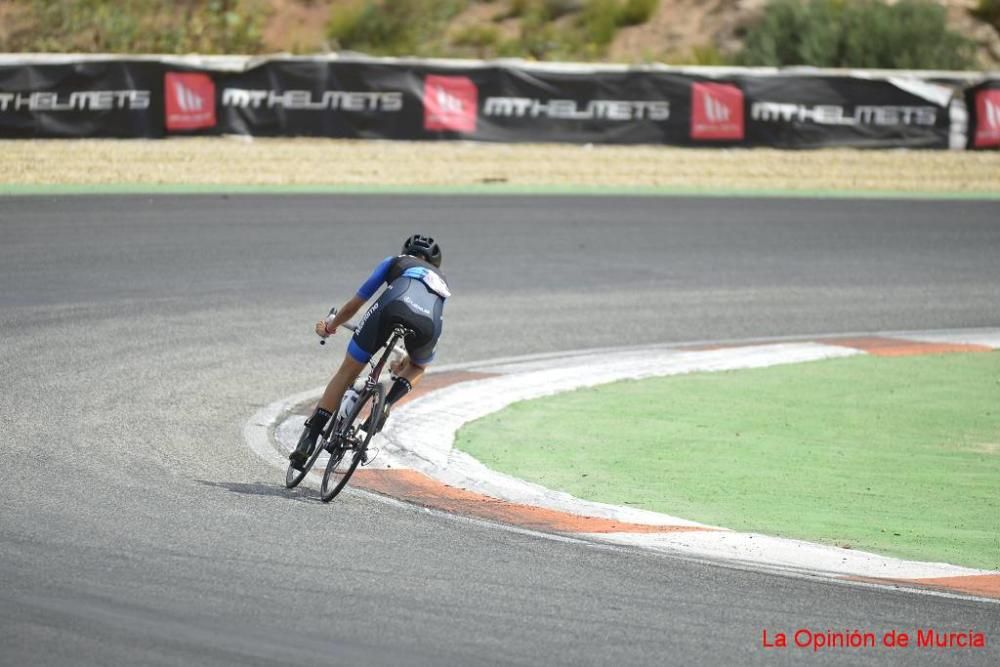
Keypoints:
pixel 336 476
pixel 292 476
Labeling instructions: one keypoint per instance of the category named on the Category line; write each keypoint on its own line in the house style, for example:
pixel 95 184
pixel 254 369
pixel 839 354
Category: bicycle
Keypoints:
pixel 350 433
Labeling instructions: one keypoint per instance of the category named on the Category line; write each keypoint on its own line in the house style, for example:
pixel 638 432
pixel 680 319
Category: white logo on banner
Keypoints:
pixel 716 110
pixel 187 99
pixel 992 115
pixel 448 103
pixel 832 114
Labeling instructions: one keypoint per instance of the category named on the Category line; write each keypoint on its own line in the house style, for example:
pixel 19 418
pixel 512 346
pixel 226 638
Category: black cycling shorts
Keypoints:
pixel 406 302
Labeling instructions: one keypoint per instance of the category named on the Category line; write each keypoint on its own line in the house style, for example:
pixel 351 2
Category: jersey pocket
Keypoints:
pixel 437 285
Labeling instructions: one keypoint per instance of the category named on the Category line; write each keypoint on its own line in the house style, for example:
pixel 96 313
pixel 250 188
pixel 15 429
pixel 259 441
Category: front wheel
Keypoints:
pixel 351 441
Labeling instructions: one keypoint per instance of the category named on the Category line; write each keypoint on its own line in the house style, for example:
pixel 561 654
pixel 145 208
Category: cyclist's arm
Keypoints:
pixel 346 312
pixel 365 292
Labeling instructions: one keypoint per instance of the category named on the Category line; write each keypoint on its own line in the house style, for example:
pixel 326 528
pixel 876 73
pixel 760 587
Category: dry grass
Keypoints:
pixel 339 162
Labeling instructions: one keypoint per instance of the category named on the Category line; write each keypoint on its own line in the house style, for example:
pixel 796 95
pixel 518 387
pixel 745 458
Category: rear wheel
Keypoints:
pixel 349 447
pixel 293 476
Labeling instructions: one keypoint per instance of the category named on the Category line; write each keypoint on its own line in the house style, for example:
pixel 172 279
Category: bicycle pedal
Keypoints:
pixel 369 456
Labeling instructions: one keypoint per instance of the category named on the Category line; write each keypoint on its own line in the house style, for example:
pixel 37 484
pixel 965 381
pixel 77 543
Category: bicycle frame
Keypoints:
pixel 334 432
pixel 398 333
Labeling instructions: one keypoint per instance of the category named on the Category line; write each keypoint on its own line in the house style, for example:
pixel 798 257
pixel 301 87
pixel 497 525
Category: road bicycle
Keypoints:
pixel 348 432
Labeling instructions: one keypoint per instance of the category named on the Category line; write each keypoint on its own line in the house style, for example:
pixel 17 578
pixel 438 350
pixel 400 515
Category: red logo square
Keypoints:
pixel 717 112
pixel 190 100
pixel 987 119
pixel 450 103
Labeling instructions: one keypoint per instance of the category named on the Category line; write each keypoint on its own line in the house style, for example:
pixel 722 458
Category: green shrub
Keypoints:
pixel 515 9
pixel 554 9
pixel 636 12
pixel 707 55
pixel 543 40
pixel 368 27
pixel 989 11
pixel 393 27
pixel 484 40
pixel 599 20
pixel 136 26
pixel 911 34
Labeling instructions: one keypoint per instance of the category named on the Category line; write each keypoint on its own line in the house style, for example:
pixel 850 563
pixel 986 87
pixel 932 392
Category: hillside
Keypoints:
pixel 671 31
pixel 678 31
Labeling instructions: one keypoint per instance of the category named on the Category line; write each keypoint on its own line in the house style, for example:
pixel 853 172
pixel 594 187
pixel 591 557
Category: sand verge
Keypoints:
pixel 275 162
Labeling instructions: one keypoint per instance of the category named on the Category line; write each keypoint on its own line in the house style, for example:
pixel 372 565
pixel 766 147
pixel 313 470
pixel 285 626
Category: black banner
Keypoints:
pixel 113 98
pixel 500 102
pixel 812 112
pixel 482 104
pixel 316 98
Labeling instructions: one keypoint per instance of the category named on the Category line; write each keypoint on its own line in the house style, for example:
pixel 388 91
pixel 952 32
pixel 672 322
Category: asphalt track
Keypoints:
pixel 139 334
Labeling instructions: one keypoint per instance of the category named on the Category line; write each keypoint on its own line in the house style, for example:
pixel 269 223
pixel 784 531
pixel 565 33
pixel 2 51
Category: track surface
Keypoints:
pixel 140 333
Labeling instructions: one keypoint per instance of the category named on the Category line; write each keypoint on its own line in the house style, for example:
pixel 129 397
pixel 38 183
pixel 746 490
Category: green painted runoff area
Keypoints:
pixel 15 189
pixel 894 455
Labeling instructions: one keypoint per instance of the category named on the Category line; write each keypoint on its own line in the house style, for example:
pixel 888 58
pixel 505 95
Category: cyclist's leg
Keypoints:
pixel 369 336
pixel 422 347
pixel 345 376
pixel 420 350
pixel 326 408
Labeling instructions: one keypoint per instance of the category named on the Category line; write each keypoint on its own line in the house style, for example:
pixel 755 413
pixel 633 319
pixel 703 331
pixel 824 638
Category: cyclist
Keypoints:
pixel 415 298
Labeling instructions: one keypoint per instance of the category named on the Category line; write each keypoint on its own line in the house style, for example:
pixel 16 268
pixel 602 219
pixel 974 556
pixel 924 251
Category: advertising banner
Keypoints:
pixel 477 103
pixel 819 111
pixel 626 107
pixel 370 98
pixel 112 98
pixel 319 98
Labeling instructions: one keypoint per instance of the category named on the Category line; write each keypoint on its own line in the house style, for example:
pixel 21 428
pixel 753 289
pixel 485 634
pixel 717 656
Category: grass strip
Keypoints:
pixel 894 455
pixel 471 190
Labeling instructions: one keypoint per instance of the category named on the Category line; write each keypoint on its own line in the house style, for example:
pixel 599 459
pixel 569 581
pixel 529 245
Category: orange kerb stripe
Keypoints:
pixel 898 347
pixel 414 487
pixel 434 381
pixel 983 585
pixel 987 585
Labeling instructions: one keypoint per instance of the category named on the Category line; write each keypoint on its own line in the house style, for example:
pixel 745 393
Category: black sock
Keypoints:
pixel 318 420
pixel 311 430
pixel 400 388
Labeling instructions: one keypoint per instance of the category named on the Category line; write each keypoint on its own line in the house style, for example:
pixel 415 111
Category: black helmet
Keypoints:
pixel 423 246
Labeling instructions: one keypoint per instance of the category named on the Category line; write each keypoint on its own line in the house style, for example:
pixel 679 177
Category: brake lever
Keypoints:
pixel 333 311
pixel 346 325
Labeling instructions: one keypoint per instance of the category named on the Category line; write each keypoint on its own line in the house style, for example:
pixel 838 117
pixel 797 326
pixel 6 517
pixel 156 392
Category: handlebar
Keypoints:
pixel 399 350
pixel 349 327
pixel 346 325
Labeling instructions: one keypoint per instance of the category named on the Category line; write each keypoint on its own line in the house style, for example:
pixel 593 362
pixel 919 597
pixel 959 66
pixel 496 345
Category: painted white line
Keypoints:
pixel 986 338
pixel 257 431
pixel 421 434
pixel 788 554
pixel 597 541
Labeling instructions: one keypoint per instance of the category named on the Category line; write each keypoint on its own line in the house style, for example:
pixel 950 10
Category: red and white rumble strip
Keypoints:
pixel 417 462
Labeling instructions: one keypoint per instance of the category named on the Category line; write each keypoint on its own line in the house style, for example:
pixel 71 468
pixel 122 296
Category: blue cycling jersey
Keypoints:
pixel 391 268
pixel 415 299
pixel 376 279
